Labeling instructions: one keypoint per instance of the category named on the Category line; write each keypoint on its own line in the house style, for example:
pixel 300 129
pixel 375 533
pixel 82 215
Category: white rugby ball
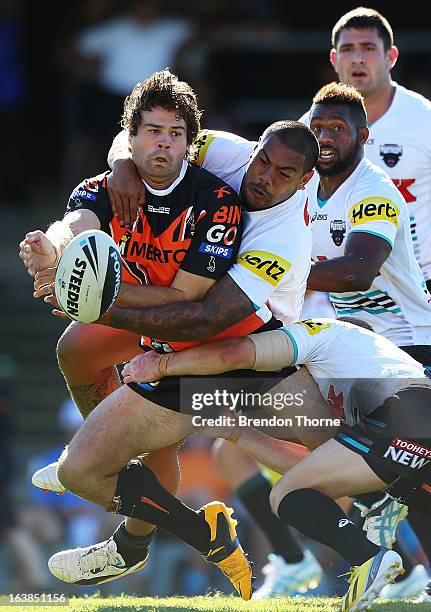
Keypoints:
pixel 88 276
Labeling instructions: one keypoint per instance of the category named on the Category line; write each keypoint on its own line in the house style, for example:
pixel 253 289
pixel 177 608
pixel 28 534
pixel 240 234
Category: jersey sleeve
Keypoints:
pixel 259 272
pixel 216 151
pixel 92 195
pixel 308 338
pixel 378 214
pixel 215 243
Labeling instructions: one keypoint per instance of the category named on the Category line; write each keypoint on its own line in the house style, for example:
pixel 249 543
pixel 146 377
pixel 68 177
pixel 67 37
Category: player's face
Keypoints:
pixel 341 142
pixel 275 173
pixel 159 147
pixel 360 60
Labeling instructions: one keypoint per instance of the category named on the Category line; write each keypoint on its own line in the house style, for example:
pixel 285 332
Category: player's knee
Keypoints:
pixel 71 349
pixel 278 491
pixel 69 474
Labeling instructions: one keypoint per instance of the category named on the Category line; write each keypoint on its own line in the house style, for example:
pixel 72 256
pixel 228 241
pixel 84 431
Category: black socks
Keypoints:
pixel 140 495
pixel 254 494
pixel 319 517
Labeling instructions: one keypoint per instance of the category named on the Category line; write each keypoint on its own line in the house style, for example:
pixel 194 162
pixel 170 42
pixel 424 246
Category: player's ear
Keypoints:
pixel 392 56
pixel 333 58
pixel 364 133
pixel 305 179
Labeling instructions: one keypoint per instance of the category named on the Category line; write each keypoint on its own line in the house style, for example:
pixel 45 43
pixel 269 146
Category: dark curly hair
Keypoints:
pixel 162 89
pixel 344 95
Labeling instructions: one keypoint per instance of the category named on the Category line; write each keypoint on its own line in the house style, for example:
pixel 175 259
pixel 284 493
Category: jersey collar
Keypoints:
pixel 168 190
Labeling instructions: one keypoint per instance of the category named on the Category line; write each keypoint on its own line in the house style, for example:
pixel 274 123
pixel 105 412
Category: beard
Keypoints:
pixel 342 164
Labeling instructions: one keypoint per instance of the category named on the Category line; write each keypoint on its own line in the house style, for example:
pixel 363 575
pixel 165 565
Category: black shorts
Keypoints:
pixel 177 393
pixel 420 352
pixel 395 440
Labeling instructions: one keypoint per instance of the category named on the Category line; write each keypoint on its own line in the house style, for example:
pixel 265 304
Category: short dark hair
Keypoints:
pixel 363 18
pixel 162 89
pixel 298 137
pixel 346 95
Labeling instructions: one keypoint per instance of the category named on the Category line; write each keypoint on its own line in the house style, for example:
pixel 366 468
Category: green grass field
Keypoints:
pixel 209 604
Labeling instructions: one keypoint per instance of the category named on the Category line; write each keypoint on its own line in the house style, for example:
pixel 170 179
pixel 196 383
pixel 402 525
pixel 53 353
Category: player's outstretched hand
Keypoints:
pixel 143 368
pixel 126 191
pixel 37 252
pixel 50 298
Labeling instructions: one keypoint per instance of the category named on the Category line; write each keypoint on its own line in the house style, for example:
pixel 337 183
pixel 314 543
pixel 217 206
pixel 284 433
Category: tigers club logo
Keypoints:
pixel 391 153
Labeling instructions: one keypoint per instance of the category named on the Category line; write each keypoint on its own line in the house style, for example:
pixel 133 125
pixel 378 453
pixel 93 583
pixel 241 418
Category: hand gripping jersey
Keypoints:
pixel 400 143
pixel 397 305
pixel 275 253
pixel 195 225
pixel 336 354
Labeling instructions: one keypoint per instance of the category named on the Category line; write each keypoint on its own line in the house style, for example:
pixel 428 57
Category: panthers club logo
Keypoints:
pixel 337 229
pixel 391 153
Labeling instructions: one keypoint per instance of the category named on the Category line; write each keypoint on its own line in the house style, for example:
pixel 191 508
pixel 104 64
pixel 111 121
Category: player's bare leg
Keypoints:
pixel 96 465
pixel 86 354
pixel 304 498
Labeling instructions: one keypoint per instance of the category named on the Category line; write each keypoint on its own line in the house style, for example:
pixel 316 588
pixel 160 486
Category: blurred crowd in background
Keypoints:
pixel 65 70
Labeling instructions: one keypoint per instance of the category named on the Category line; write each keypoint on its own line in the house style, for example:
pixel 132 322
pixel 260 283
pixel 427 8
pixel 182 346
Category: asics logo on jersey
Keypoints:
pixel 343 523
pixel 268 266
pixel 373 209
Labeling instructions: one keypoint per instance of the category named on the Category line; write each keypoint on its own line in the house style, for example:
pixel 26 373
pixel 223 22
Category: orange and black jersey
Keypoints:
pixel 194 225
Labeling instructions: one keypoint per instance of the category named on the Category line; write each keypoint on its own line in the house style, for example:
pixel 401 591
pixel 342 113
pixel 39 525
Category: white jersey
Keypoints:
pixel 397 305
pixel 335 353
pixel 400 143
pixel 275 253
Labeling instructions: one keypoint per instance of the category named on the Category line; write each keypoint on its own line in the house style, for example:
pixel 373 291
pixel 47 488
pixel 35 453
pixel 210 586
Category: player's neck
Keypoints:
pixel 378 102
pixel 328 185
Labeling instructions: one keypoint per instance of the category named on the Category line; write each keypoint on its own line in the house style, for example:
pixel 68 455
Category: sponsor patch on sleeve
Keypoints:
pixel 201 144
pixel 374 209
pixel 267 265
pixel 214 249
pixel 313 327
pixel 83 194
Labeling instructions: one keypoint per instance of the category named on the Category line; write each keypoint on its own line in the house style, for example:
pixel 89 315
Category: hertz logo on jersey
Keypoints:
pixel 268 266
pixel 373 209
pixel 313 327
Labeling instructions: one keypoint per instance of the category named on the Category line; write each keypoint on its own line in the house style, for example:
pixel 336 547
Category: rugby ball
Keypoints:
pixel 88 276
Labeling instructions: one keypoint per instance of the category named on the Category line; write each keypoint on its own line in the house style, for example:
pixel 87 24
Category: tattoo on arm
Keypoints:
pixel 224 305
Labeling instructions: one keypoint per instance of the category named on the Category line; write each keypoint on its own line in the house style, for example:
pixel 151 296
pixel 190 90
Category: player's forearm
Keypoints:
pixel 212 358
pixel 278 455
pixel 119 149
pixel 59 234
pixel 340 274
pixel 139 296
pixel 224 305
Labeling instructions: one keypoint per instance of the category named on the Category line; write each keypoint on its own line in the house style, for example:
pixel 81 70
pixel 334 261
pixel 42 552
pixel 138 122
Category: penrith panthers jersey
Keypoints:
pixel 397 305
pixel 400 143
pixel 275 253
pixel 355 369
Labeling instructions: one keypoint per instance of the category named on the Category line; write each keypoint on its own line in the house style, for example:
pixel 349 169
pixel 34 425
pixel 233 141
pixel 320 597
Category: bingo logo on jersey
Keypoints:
pixel 374 209
pixel 267 265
